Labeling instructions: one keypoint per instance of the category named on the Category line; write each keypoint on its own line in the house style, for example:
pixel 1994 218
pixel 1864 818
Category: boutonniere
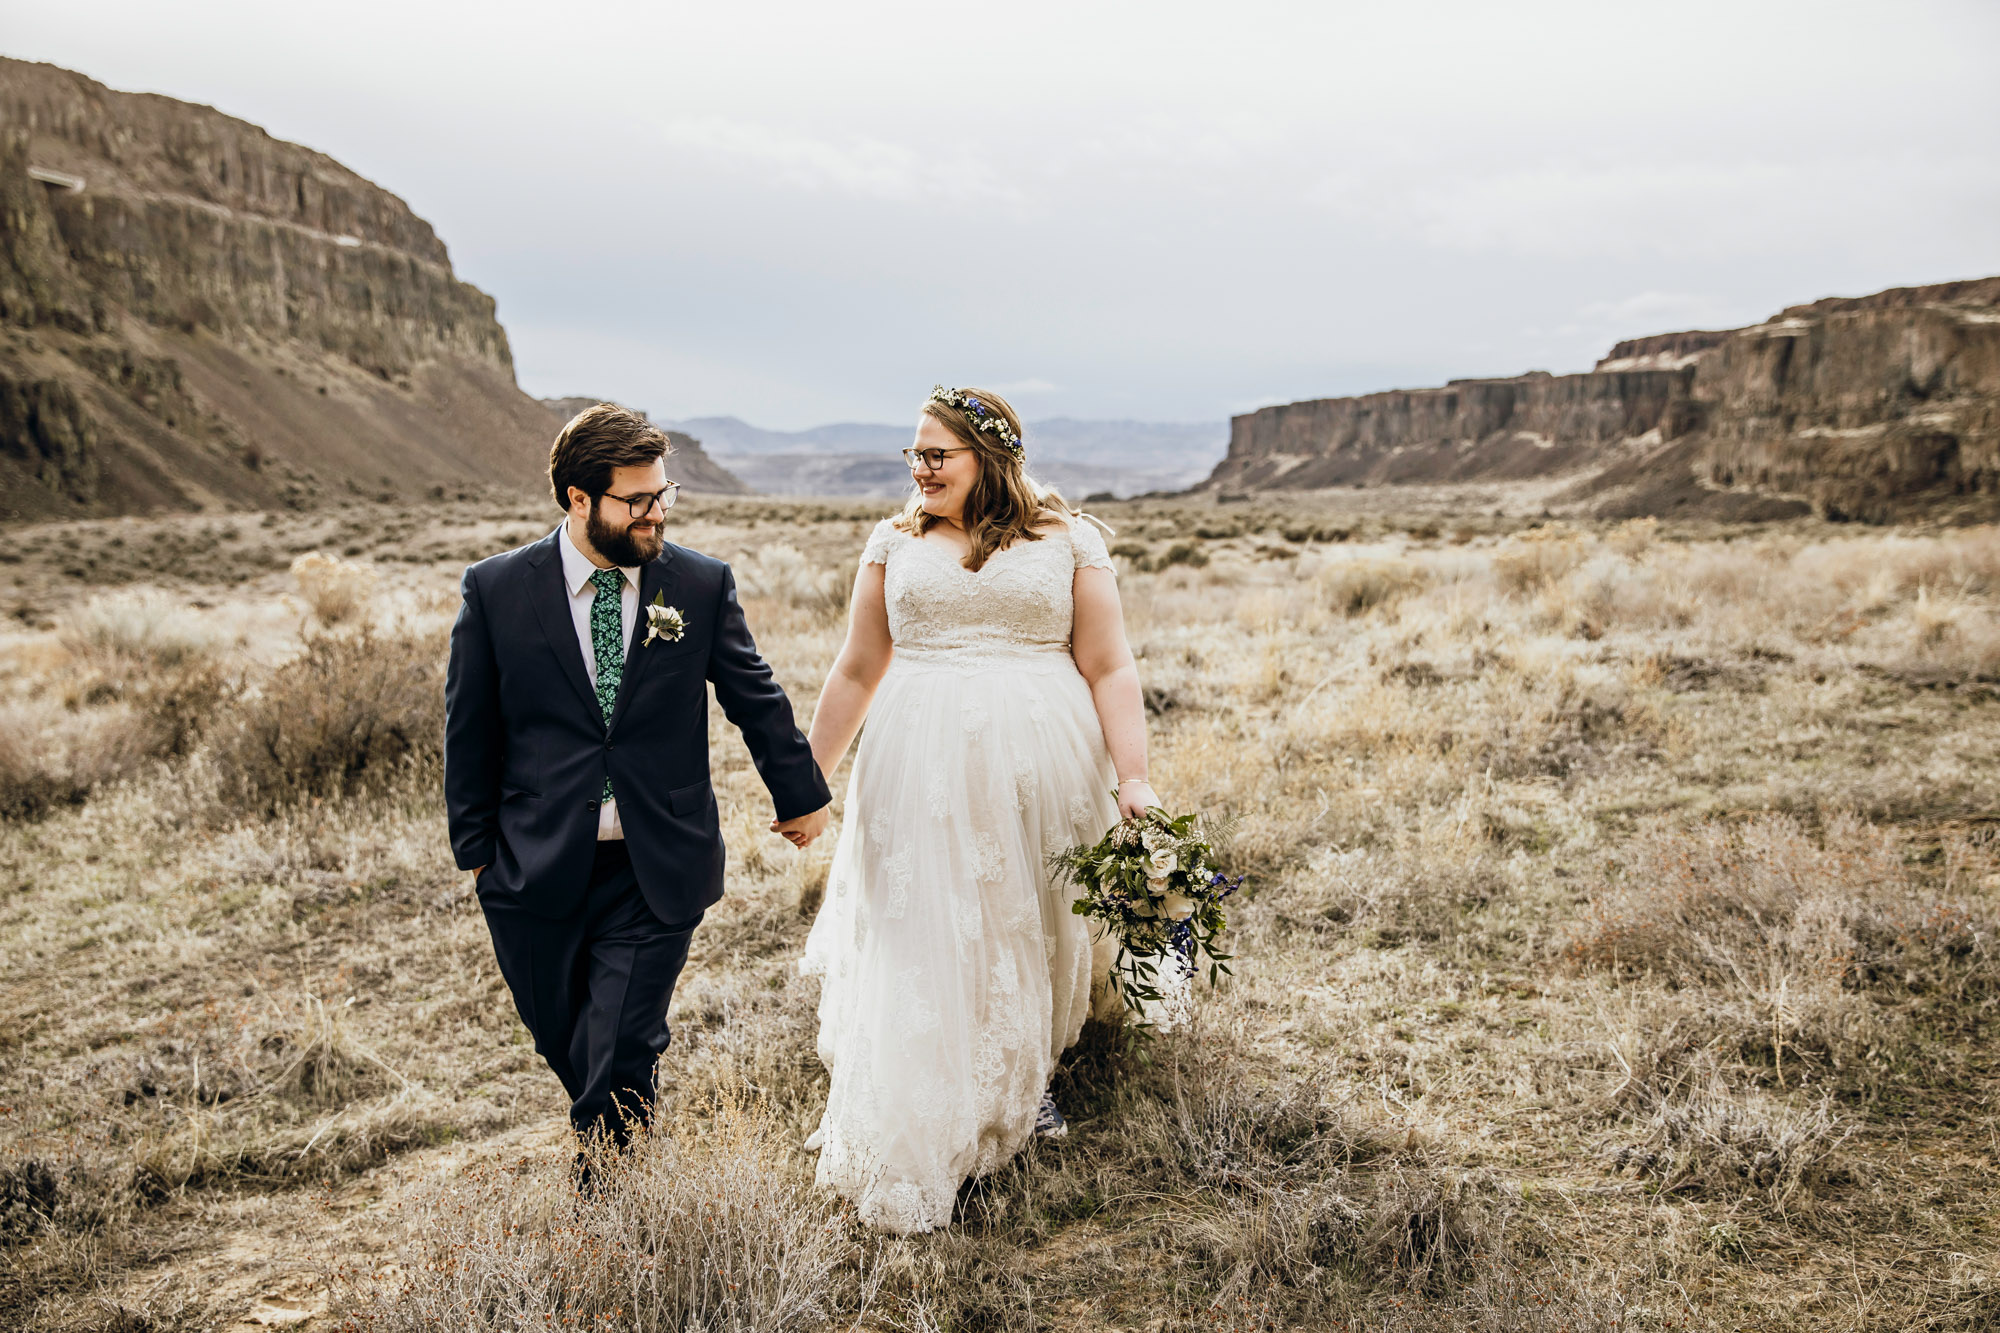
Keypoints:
pixel 663 621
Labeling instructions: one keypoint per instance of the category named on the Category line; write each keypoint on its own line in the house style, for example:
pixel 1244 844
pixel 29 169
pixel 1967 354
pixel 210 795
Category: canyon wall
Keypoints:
pixel 1873 407
pixel 1529 426
pixel 196 315
pixel 1866 408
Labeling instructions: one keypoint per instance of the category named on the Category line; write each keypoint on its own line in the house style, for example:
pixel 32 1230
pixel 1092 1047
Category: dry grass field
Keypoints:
pixel 1619 953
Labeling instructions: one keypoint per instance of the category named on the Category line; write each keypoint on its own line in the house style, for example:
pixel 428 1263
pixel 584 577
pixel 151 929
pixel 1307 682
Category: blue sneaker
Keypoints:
pixel 1049 1122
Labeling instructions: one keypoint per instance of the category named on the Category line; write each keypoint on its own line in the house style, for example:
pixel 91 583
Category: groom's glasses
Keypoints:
pixel 930 458
pixel 641 505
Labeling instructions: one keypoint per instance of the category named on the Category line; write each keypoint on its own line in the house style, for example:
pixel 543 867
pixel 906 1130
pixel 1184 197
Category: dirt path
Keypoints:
pixel 261 1261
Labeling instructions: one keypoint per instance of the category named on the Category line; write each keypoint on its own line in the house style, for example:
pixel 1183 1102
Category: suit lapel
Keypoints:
pixel 550 597
pixel 652 579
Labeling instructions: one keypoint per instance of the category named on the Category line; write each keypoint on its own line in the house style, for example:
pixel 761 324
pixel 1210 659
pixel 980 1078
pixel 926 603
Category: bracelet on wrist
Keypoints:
pixel 1126 782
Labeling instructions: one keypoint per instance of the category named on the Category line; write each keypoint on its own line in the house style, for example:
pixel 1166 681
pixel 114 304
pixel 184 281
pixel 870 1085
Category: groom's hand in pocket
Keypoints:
pixel 801 831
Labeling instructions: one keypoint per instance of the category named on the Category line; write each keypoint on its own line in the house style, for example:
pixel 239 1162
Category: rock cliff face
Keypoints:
pixel 196 315
pixel 1871 407
pixel 1866 408
pixel 1525 427
pixel 689 464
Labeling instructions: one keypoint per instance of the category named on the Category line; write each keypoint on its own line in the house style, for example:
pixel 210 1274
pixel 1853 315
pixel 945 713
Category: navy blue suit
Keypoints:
pixel 591 936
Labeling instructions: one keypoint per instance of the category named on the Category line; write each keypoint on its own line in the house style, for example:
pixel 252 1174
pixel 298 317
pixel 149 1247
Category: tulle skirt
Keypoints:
pixel 954 973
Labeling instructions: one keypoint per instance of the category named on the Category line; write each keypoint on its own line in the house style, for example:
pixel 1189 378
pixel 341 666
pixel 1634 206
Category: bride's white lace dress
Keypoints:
pixel 954 972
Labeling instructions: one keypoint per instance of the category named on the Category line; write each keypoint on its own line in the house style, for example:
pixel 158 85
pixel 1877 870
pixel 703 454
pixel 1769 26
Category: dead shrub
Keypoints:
pixel 175 707
pixel 1426 1228
pixel 1681 894
pixel 783 574
pixel 1182 553
pixel 1634 537
pixel 1949 639
pixel 62 1193
pixel 336 591
pixel 355 714
pixel 1791 932
pixel 52 758
pixel 708 1221
pixel 143 628
pixel 1700 1136
pixel 1532 560
pixel 1354 587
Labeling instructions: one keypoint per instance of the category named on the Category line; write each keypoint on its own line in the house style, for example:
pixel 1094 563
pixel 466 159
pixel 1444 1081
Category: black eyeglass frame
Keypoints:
pixel 638 506
pixel 911 456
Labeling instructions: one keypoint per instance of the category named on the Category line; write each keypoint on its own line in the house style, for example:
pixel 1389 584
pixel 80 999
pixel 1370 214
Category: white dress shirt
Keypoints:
pixel 577 570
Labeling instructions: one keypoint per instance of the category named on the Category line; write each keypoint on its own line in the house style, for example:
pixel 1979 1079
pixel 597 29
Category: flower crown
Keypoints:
pixel 992 423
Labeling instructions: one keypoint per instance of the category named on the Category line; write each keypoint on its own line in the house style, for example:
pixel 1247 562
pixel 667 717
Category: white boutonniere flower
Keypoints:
pixel 663 621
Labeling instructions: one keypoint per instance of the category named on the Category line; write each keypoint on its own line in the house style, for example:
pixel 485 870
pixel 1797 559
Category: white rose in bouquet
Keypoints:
pixel 1178 906
pixel 1164 863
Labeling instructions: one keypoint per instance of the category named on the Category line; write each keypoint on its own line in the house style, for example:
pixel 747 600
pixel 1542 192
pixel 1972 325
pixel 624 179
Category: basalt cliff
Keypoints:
pixel 1876 408
pixel 195 315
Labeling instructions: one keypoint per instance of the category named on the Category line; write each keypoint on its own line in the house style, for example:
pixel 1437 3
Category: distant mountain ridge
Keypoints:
pixel 689 464
pixel 1875 407
pixel 196 315
pixel 863 458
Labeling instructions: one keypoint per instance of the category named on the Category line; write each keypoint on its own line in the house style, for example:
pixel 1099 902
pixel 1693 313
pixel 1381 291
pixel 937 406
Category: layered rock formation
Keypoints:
pixel 1524 427
pixel 1868 408
pixel 194 314
pixel 689 464
pixel 1872 407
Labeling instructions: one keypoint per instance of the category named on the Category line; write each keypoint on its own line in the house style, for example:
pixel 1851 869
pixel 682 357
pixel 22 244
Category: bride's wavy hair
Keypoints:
pixel 1005 504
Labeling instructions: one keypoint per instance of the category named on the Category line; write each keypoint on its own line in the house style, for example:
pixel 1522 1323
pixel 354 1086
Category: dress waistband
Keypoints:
pixel 1036 657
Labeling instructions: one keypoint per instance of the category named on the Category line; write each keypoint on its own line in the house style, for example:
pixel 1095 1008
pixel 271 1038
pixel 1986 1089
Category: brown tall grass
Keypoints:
pixel 1619 952
pixel 707 1221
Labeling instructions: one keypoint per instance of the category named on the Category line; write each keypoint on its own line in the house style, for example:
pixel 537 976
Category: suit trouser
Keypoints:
pixel 593 988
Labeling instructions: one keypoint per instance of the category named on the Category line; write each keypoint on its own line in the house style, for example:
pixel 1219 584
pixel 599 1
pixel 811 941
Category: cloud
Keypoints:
pixel 1027 388
pixel 1709 210
pixel 1653 308
pixel 860 166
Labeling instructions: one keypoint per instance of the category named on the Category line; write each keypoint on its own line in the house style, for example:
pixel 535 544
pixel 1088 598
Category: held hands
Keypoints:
pixel 1135 797
pixel 801 830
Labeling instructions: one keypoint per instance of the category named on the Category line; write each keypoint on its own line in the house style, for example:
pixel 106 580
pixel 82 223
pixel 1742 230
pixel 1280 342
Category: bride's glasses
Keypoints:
pixel 642 504
pixel 930 458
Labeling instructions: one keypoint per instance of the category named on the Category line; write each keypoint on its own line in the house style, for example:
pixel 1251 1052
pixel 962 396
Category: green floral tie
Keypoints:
pixel 607 642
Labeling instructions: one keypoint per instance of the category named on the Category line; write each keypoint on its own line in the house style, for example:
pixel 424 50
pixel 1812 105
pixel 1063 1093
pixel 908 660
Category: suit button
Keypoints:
pixel 591 806
pixel 609 746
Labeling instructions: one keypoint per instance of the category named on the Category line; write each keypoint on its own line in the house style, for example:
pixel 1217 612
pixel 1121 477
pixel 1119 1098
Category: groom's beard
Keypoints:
pixel 623 546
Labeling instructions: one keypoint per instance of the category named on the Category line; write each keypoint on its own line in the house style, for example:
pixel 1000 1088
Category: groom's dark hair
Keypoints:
pixel 597 440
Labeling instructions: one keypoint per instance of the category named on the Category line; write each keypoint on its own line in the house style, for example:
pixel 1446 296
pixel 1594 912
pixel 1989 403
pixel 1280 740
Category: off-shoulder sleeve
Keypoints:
pixel 879 542
pixel 1088 545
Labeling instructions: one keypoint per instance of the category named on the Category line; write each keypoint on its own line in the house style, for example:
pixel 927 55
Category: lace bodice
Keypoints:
pixel 1018 605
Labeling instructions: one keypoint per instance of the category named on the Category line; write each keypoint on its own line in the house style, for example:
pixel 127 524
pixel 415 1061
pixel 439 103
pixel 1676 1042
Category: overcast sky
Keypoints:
pixel 807 212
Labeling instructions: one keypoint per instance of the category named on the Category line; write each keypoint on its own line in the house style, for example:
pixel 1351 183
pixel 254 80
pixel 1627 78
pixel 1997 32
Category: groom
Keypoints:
pixel 576 760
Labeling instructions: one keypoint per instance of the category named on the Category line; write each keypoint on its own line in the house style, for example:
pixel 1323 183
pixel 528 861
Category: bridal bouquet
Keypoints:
pixel 1150 882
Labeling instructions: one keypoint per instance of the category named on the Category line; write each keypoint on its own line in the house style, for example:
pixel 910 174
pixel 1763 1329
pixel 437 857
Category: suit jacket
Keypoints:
pixel 526 747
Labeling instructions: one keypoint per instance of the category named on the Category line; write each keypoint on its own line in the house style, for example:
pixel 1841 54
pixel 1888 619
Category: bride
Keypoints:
pixel 986 630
